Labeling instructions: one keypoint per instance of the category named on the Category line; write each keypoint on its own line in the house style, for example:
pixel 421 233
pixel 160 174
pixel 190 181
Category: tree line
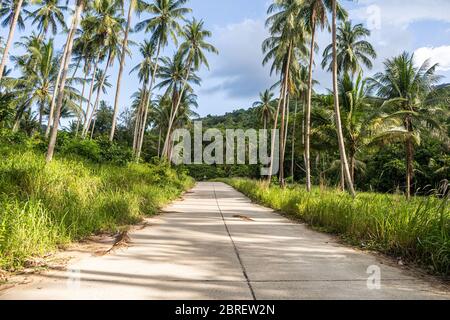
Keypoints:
pixel 97 37
pixel 397 104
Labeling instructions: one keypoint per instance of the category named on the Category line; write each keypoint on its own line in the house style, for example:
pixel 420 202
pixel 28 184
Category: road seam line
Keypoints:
pixel 244 272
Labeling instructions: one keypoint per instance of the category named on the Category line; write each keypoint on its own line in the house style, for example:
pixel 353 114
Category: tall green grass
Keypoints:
pixel 44 206
pixel 416 230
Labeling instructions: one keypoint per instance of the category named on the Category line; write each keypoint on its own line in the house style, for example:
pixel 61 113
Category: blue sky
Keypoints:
pixel 236 75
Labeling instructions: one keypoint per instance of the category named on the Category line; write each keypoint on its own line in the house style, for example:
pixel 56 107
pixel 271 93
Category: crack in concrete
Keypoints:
pixel 244 271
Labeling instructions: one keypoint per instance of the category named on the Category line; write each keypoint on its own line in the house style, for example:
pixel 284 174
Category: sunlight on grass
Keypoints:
pixel 417 230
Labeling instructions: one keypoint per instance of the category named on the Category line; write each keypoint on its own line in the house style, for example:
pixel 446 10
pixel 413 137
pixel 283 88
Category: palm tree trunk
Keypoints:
pixel 159 141
pixel 99 91
pixel 141 124
pixel 175 111
pixel 308 113
pixel 77 129
pixel 147 105
pixel 93 127
pixel 283 115
pixel 338 112
pixel 83 89
pixel 54 133
pixel 409 160
pixel 275 125
pixel 119 77
pixel 91 92
pixel 55 94
pixel 10 38
pixel 293 141
pixel 137 124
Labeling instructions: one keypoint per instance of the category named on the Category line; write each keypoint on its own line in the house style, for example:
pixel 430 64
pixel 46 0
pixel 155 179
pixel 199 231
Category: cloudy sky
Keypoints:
pixel 236 76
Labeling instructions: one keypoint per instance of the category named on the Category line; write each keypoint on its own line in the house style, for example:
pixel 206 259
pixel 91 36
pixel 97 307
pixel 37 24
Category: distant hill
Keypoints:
pixel 238 119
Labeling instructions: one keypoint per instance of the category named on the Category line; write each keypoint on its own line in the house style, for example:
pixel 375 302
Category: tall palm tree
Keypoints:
pixel 101 84
pixel 172 73
pixel 407 89
pixel 357 115
pixel 133 4
pixel 79 7
pixel 193 50
pixel 342 152
pixel 286 43
pixel 314 13
pixel 105 25
pixel 49 15
pixel 353 51
pixel 163 25
pixel 265 106
pixel 11 10
pixel 147 50
pixel 38 82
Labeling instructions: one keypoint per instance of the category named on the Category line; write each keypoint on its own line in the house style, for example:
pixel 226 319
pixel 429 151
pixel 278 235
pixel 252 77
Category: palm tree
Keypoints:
pixel 407 89
pixel 285 46
pixel 172 74
pixel 357 115
pixel 265 107
pixel 314 13
pixel 80 4
pixel 132 5
pixel 49 15
pixel 163 24
pixel 105 26
pixel 352 51
pixel 193 50
pixel 340 135
pixel 101 84
pixel 144 69
pixel 11 10
pixel 37 82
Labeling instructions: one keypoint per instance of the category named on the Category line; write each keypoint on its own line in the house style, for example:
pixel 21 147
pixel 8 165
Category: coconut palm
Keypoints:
pixel 133 4
pixel 408 90
pixel 193 51
pixel 265 107
pixel 37 82
pixel 147 50
pixel 101 85
pixel 353 51
pixel 285 47
pixel 105 26
pixel 175 79
pixel 162 25
pixel 10 11
pixel 79 7
pixel 314 13
pixel 342 152
pixel 48 15
pixel 358 115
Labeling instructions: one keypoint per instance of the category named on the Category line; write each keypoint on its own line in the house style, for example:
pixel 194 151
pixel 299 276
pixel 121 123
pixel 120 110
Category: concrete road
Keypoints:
pixel 216 244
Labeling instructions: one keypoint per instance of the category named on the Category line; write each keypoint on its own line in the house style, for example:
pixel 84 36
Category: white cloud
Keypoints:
pixel 440 55
pixel 237 75
pixel 401 13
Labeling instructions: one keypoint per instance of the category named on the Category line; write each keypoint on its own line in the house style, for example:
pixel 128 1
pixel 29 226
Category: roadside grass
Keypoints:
pixel 416 230
pixel 46 206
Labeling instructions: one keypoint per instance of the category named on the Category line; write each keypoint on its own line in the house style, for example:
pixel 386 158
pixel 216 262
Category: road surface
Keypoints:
pixel 216 244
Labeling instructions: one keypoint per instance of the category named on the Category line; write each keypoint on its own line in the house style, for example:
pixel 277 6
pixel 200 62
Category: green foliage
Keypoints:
pixel 88 149
pixel 43 206
pixel 418 230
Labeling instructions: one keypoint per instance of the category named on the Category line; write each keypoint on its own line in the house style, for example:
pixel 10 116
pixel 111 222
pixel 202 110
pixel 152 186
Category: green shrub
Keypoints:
pixel 88 149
